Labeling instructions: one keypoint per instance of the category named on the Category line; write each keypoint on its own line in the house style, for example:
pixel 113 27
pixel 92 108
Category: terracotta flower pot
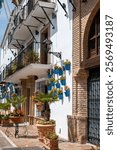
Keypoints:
pixel 44 129
pixel 51 144
pixel 15 119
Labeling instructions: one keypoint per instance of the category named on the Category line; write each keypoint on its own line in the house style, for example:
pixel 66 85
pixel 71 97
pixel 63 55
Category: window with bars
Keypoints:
pixel 94 37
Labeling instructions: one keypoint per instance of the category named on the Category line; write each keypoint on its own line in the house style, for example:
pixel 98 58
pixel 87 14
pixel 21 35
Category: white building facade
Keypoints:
pixel 44 27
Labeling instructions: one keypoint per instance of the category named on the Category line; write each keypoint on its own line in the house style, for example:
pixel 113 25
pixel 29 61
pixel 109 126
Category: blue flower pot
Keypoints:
pixel 67 67
pixel 49 88
pixel 63 82
pixel 67 93
pixel 60 72
pixel 56 71
pixel 52 83
pixel 57 85
pixel 60 96
pixel 54 94
pixel 49 75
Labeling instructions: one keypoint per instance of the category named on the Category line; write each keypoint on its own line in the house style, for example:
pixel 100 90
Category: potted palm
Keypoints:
pixel 45 124
pixel 16 101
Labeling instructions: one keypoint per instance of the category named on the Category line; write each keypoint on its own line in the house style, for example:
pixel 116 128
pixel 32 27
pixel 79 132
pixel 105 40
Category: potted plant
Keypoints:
pixel 51 141
pixel 49 73
pixel 52 81
pixel 57 83
pixel 56 71
pixel 67 91
pixel 60 71
pixel 31 57
pixel 60 94
pixel 67 64
pixel 16 101
pixel 45 124
pixel 63 80
pixel 49 86
pixel 5 117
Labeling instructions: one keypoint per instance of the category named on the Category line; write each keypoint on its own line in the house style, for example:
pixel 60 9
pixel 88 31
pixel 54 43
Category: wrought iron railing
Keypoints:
pixel 23 59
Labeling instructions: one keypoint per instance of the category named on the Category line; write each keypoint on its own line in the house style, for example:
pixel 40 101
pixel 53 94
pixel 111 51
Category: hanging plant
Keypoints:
pixel 56 69
pixel 60 71
pixel 67 91
pixel 57 83
pixel 52 81
pixel 49 86
pixel 63 80
pixel 67 64
pixel 50 73
pixel 54 91
pixel 60 94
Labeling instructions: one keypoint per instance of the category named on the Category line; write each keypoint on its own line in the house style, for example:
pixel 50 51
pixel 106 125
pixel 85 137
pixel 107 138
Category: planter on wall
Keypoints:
pixel 57 85
pixel 67 93
pixel 56 71
pixel 67 67
pixel 49 88
pixel 63 82
pixel 60 96
pixel 60 72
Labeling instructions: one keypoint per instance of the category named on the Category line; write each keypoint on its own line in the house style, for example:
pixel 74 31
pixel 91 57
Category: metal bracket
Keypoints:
pixel 47 17
pixel 37 18
pixel 74 8
pixel 28 26
pixel 66 14
pixel 57 54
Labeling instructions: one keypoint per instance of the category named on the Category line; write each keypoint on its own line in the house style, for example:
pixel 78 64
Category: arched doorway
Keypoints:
pixel 93 85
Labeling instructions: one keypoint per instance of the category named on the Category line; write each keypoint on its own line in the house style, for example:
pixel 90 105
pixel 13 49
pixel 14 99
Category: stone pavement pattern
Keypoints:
pixel 31 140
pixel 3 142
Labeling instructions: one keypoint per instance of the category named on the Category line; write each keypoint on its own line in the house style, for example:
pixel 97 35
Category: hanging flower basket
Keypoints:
pixel 60 96
pixel 49 88
pixel 67 65
pixel 52 84
pixel 49 75
pixel 67 93
pixel 63 82
pixel 56 69
pixel 58 85
pixel 60 71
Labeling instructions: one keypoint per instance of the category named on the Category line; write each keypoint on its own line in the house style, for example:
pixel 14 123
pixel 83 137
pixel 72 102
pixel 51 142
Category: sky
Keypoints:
pixel 3 18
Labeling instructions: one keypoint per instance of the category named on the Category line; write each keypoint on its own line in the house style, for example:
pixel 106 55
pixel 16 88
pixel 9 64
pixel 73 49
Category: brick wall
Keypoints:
pixel 82 20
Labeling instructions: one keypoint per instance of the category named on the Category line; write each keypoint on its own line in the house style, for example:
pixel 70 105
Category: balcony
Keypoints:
pixel 29 17
pixel 26 64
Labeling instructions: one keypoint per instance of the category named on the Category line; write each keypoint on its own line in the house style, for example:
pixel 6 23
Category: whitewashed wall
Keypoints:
pixel 61 37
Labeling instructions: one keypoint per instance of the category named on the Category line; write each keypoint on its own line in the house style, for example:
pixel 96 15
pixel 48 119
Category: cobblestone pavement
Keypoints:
pixel 31 140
